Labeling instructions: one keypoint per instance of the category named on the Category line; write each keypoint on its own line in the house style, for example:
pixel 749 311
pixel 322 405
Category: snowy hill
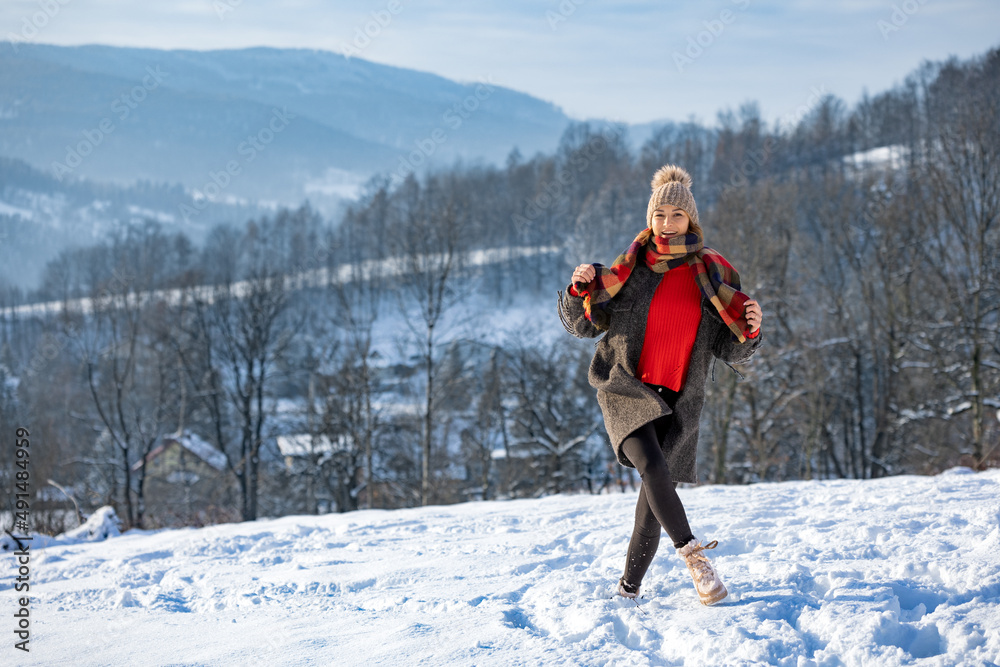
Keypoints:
pixel 896 571
pixel 41 215
pixel 179 116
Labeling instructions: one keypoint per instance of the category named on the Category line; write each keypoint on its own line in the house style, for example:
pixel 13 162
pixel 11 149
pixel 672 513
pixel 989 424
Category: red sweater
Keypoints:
pixel 671 327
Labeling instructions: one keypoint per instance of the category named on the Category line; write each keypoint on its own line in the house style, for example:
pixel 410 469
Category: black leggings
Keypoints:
pixel 658 505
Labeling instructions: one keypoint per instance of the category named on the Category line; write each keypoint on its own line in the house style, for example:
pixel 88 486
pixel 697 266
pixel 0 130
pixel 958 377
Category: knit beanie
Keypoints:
pixel 672 185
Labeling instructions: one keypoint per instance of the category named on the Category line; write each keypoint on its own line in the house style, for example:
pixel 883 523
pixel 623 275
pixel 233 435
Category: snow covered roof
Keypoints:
pixel 892 156
pixel 202 449
pixel 192 443
pixel 302 444
pixel 397 408
pixel 518 452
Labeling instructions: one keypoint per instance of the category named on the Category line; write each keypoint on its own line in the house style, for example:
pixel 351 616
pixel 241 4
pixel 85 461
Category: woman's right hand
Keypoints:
pixel 584 274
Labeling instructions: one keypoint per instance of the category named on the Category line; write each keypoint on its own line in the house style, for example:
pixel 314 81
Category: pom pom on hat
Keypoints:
pixel 672 185
pixel 671 173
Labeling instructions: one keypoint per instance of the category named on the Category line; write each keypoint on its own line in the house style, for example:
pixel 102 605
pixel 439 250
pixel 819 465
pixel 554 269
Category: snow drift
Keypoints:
pixel 895 571
pixel 101 525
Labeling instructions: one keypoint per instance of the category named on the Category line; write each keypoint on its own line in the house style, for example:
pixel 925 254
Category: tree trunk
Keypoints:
pixel 722 437
pixel 425 481
pixel 127 491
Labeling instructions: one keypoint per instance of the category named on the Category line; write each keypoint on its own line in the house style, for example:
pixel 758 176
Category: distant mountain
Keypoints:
pixel 288 124
pixel 41 215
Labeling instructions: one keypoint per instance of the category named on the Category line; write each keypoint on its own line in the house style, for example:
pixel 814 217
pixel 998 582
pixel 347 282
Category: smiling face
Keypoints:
pixel 669 222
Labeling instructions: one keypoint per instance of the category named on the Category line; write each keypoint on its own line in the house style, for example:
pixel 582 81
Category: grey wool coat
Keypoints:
pixel 625 401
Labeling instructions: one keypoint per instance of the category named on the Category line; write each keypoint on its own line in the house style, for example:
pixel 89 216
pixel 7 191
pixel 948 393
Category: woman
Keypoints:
pixel 666 307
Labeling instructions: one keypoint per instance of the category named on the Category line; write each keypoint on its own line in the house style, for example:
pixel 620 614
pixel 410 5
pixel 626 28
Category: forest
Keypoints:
pixel 243 378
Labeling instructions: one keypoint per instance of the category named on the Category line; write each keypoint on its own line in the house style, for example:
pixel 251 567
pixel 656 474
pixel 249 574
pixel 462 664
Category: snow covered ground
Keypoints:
pixel 895 571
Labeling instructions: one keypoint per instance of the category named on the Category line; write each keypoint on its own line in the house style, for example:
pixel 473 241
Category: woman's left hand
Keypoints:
pixel 754 315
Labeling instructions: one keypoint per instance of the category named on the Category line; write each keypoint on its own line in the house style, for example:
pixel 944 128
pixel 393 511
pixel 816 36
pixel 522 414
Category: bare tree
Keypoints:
pixel 129 397
pixel 432 217
pixel 555 417
pixel 961 212
pixel 487 432
pixel 357 302
pixel 754 226
pixel 251 340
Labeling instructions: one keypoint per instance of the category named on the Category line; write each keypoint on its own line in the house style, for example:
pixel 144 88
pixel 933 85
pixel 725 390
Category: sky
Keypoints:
pixel 631 61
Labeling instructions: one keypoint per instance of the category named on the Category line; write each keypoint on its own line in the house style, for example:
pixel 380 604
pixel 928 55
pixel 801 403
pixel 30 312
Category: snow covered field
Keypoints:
pixel 903 570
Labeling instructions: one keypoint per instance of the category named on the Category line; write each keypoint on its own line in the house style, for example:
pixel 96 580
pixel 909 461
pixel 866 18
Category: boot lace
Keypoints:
pixel 698 562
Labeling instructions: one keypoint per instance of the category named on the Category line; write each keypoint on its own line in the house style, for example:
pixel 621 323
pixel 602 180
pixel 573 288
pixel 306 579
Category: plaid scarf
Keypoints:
pixel 718 281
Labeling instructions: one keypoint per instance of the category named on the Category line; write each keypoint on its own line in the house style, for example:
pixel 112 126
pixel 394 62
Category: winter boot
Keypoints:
pixel 627 590
pixel 706 581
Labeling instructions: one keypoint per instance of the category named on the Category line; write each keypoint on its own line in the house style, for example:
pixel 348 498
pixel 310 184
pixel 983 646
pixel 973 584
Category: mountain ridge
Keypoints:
pixel 355 116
